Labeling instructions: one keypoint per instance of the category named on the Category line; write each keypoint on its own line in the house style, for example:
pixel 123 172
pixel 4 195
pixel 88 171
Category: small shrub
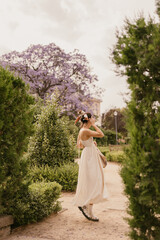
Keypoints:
pixel 104 150
pixel 67 176
pixel 118 156
pixel 42 173
pixel 40 201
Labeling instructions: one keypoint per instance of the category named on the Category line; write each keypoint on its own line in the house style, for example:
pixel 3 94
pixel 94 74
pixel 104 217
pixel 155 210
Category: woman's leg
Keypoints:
pixel 90 211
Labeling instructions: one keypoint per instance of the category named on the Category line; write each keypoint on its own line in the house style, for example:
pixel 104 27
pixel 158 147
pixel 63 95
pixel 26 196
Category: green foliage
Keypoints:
pixel 37 108
pixel 66 175
pixel 115 156
pixel 42 173
pixel 158 7
pixel 39 202
pixel 104 150
pixel 102 141
pixel 109 138
pixel 26 202
pixel 51 143
pixel 137 56
pixel 15 128
pixel 72 128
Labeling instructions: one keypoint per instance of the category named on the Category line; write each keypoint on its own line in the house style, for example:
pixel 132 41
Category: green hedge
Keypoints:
pixel 39 202
pixel 104 150
pixel 136 54
pixel 116 156
pixel 66 175
pixel 42 173
pixel 15 129
pixel 113 156
pixel 109 138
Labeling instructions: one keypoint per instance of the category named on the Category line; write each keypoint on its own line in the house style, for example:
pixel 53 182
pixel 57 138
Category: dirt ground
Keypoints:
pixel 70 224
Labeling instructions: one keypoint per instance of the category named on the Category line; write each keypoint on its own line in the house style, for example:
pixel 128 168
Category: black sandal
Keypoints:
pixel 84 213
pixel 94 219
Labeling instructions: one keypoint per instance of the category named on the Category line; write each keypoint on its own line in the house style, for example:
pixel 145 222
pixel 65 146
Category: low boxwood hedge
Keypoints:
pixel 66 175
pixel 39 202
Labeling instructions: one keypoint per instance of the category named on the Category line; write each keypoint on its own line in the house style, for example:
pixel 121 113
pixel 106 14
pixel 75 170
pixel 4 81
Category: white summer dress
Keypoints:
pixel 91 187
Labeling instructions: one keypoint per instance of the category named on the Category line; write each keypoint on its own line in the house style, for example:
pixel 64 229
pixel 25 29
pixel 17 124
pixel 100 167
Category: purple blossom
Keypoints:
pixel 48 67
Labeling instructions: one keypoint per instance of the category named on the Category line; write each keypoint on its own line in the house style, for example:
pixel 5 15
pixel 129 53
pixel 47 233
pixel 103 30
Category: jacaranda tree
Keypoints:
pixel 48 68
pixel 137 56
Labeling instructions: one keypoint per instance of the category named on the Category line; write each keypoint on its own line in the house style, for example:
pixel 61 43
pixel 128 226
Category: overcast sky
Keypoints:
pixel 87 25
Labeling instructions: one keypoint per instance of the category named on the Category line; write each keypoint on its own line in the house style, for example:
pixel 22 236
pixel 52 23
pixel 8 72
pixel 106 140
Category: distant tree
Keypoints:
pixel 158 7
pixel 137 56
pixel 108 120
pixel 48 68
pixel 109 138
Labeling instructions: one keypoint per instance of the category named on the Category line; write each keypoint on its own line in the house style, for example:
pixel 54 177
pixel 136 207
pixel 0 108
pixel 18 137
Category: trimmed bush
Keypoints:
pixel 117 156
pixel 51 144
pixel 66 175
pixel 104 150
pixel 15 128
pixel 40 201
pixel 42 173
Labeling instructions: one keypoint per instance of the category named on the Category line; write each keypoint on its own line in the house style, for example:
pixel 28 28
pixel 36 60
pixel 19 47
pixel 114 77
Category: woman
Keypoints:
pixel 90 187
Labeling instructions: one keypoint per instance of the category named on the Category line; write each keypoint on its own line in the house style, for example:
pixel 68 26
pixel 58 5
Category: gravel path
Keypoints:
pixel 70 224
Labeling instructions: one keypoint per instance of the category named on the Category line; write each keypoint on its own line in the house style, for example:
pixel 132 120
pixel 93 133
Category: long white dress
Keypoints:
pixel 90 187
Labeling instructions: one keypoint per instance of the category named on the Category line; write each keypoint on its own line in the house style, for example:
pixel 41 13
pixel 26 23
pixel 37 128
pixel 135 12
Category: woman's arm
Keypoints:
pixel 97 133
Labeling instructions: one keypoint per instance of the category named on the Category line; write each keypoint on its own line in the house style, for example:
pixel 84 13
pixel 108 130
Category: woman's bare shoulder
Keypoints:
pixel 84 133
pixel 84 130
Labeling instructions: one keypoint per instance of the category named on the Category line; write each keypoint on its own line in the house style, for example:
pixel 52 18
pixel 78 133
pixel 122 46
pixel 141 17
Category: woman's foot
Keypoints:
pixel 93 218
pixel 85 212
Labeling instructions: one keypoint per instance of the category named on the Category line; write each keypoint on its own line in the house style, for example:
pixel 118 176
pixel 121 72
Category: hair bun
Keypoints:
pixel 83 116
pixel 81 112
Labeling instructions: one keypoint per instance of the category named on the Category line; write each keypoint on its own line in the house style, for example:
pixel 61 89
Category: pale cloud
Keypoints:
pixel 87 25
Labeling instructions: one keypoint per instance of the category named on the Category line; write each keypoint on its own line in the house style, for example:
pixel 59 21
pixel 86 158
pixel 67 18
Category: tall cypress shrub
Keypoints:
pixel 52 144
pixel 137 56
pixel 15 128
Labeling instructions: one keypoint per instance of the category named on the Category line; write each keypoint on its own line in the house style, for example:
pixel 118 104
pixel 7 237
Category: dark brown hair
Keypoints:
pixel 83 119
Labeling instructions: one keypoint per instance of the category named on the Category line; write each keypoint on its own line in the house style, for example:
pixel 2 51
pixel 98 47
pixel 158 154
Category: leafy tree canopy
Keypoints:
pixel 108 120
pixel 137 56
pixel 48 68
